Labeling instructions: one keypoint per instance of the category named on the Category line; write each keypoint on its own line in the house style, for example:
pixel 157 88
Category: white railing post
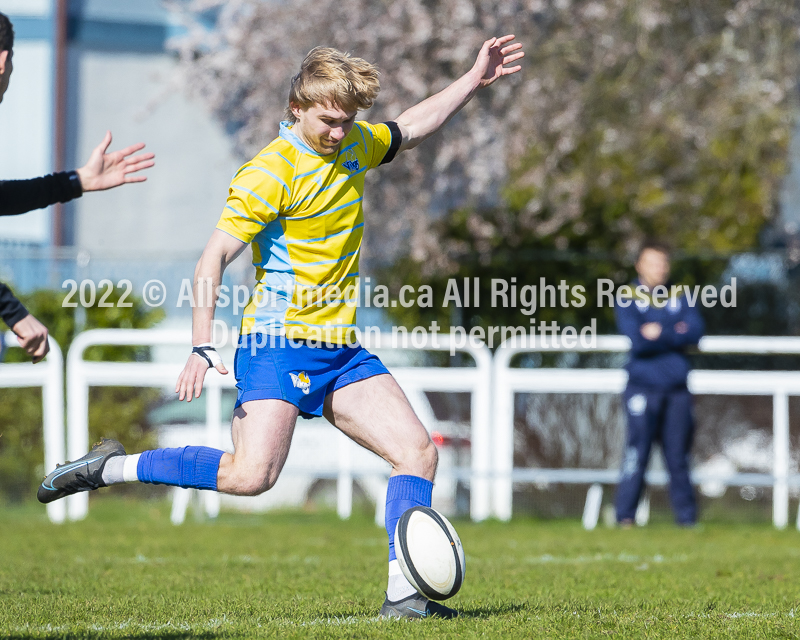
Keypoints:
pixel 77 422
pixel 49 375
pixel 503 441
pixel 481 439
pixel 344 481
pixel 53 414
pixel 780 448
pixel 213 392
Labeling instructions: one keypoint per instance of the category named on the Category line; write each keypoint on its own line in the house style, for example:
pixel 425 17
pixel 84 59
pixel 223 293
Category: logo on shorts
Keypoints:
pixel 637 404
pixel 351 164
pixel 301 381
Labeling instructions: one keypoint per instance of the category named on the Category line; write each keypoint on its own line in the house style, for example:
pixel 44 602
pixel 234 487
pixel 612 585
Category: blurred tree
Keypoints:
pixel 631 117
pixel 119 413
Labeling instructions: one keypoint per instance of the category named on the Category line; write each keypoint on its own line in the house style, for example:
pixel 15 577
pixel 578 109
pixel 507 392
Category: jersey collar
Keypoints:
pixel 291 137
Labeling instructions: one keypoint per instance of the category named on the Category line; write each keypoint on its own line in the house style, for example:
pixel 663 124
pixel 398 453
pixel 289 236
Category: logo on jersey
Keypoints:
pixel 637 404
pixel 351 164
pixel 301 381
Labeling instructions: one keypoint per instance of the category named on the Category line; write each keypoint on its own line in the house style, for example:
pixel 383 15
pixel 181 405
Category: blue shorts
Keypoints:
pixel 293 371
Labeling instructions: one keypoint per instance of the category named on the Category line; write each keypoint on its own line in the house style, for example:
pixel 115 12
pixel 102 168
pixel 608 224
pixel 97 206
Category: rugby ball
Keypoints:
pixel 429 553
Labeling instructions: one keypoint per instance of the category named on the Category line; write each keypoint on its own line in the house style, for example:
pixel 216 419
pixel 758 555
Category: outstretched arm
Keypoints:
pixel 430 115
pixel 102 171
pixel 221 250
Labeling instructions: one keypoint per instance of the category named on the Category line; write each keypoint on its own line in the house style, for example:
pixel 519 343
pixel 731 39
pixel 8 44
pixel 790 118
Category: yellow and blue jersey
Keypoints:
pixel 302 212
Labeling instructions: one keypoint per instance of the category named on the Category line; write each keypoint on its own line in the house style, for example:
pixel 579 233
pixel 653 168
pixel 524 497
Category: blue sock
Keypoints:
pixel 187 467
pixel 403 493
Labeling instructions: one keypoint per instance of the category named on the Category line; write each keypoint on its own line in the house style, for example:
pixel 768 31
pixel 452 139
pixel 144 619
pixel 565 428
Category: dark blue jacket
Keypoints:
pixel 659 364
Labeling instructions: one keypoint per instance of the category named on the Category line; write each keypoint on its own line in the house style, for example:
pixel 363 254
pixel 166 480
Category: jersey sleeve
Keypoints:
pixel 255 198
pixel 382 141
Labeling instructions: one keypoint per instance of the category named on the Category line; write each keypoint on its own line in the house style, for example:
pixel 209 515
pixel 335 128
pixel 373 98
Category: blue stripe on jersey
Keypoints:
pixel 331 326
pixel 330 186
pixel 256 196
pixel 270 311
pixel 272 175
pixel 277 153
pixel 316 264
pixel 327 211
pixel 348 147
pixel 241 215
pixel 309 173
pixel 272 242
pixel 333 235
pixel 260 285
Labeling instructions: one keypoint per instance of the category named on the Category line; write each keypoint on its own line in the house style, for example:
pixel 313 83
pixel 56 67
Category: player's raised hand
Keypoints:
pixel 494 55
pixel 108 170
pixel 190 382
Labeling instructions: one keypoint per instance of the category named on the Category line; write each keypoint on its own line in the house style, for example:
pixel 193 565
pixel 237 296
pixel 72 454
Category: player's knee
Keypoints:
pixel 254 483
pixel 420 459
pixel 430 455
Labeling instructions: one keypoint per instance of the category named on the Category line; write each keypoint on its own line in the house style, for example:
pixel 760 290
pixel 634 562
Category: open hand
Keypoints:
pixel 190 382
pixel 108 170
pixel 493 56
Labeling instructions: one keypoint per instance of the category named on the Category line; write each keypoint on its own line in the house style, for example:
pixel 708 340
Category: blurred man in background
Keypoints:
pixel 102 171
pixel 660 325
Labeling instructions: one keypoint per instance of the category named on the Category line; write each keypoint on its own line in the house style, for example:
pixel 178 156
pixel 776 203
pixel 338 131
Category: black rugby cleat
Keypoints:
pixel 416 607
pixel 85 474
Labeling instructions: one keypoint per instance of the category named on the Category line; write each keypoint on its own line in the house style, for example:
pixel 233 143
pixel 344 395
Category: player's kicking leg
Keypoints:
pixel 376 414
pixel 262 433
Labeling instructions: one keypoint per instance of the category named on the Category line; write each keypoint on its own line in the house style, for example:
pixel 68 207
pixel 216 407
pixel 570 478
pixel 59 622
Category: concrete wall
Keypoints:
pixel 136 97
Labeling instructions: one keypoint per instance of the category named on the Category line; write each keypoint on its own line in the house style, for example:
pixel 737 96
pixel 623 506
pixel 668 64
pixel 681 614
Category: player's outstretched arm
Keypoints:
pixel 221 250
pixel 108 170
pixel 430 115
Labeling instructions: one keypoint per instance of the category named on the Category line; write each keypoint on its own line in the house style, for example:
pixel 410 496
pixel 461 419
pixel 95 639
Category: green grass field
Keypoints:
pixel 126 572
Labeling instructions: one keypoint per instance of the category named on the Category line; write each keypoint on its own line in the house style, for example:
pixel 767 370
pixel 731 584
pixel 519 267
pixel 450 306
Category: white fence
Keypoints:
pixel 508 381
pixel 82 374
pixel 49 375
pixel 492 384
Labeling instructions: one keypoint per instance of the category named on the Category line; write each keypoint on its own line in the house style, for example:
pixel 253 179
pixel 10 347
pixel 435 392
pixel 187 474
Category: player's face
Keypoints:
pixel 323 127
pixel 653 268
pixel 5 71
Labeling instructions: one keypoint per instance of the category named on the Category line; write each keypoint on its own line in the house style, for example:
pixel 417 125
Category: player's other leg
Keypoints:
pixel 375 413
pixel 642 410
pixel 262 433
pixel 676 442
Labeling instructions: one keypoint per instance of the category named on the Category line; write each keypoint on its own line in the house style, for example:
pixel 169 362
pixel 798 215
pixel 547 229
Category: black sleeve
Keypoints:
pixel 11 309
pixel 19 196
pixel 397 139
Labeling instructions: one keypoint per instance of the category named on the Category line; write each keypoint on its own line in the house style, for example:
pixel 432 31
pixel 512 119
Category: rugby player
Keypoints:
pixel 298 203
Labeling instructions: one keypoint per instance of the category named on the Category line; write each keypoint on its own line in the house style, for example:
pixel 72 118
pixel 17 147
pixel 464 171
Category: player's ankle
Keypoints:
pixel 121 469
pixel 399 587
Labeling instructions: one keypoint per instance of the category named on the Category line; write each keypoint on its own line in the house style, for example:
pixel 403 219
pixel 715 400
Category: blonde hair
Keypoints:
pixel 331 77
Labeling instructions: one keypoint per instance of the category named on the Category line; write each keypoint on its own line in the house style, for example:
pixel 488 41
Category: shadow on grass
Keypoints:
pixel 491 611
pixel 471 612
pixel 97 635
